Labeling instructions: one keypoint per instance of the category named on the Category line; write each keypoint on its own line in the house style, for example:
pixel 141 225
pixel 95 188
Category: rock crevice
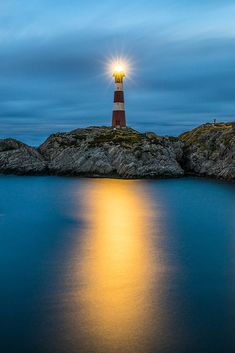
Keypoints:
pixel 102 151
pixel 209 150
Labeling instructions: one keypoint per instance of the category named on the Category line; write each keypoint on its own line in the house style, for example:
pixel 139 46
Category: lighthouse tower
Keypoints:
pixel 119 118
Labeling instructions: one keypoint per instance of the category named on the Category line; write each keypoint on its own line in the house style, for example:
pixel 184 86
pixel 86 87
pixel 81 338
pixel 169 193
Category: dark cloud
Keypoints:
pixel 53 77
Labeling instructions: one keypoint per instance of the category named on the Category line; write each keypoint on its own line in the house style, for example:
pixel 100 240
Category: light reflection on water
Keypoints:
pixel 107 266
pixel 117 269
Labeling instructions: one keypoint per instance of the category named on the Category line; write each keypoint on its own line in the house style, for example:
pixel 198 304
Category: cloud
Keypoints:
pixel 52 67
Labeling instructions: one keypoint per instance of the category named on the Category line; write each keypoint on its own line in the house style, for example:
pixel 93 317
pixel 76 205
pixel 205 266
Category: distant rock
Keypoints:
pixel 209 150
pixel 20 159
pixel 103 151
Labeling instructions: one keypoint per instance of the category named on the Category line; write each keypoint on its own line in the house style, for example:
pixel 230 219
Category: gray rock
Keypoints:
pixel 106 152
pixel 209 150
pixel 18 158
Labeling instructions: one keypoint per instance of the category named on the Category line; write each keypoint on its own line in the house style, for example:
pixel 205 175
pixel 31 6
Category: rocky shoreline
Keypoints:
pixel 208 150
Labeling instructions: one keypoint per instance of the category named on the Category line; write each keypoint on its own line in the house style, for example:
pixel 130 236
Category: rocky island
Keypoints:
pixel 208 150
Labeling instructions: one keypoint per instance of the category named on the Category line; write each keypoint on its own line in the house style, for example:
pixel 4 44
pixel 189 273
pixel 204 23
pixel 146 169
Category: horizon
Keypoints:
pixel 41 140
pixel 54 58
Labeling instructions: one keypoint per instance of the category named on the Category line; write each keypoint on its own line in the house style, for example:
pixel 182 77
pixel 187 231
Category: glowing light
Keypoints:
pixel 120 63
pixel 119 68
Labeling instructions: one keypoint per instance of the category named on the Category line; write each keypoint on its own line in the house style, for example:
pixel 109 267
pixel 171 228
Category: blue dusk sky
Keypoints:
pixel 54 54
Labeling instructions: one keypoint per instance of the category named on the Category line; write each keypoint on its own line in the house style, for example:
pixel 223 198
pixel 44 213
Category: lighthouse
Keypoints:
pixel 119 118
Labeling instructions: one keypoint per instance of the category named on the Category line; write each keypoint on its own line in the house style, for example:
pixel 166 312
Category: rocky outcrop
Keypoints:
pixel 20 159
pixel 103 151
pixel 209 150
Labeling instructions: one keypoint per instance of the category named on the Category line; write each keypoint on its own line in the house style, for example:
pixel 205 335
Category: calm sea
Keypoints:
pixel 114 266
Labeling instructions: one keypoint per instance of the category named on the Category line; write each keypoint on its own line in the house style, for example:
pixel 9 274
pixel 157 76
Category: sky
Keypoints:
pixel 54 55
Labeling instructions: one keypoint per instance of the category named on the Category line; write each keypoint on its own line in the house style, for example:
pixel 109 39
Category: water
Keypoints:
pixel 111 266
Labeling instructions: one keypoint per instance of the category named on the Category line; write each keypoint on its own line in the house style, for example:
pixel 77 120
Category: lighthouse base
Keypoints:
pixel 119 119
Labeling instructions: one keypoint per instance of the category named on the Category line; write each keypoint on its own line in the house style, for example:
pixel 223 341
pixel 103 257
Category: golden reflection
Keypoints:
pixel 116 269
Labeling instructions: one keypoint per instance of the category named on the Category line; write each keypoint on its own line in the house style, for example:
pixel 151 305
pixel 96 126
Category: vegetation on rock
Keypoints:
pixel 210 150
pixel 125 153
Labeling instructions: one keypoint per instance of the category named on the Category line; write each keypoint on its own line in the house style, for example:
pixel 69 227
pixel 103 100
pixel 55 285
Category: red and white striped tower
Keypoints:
pixel 119 117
